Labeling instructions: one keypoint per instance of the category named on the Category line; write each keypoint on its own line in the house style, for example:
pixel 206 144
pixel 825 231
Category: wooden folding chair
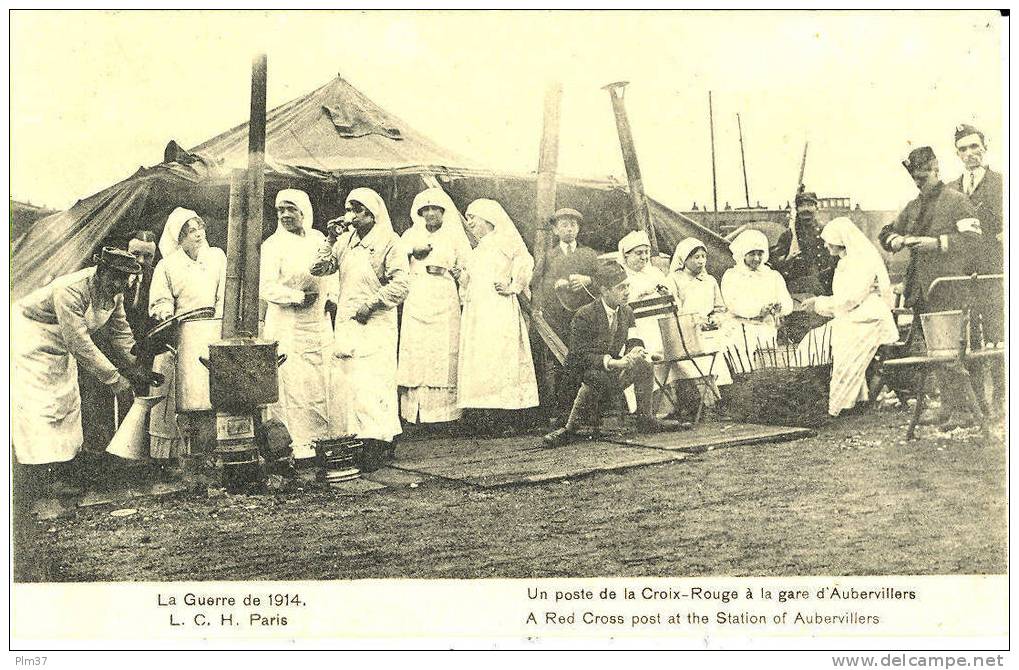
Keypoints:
pixel 665 305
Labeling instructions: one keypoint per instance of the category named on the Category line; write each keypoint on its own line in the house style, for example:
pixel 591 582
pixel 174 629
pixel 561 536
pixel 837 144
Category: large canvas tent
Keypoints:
pixel 326 142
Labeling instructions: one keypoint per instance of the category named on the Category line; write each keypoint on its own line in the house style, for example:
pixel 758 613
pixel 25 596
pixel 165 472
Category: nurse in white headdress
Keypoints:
pixel 496 370
pixel 191 275
pixel 373 274
pixel 430 332
pixel 860 310
pixel 645 281
pixel 755 295
pixel 698 293
pixel 296 318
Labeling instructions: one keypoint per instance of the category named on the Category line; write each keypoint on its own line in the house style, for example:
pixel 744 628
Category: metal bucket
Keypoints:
pixel 942 331
pixel 681 336
pixel 193 339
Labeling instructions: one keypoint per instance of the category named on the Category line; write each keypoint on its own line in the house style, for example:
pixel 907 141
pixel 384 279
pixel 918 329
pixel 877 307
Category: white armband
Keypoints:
pixel 968 226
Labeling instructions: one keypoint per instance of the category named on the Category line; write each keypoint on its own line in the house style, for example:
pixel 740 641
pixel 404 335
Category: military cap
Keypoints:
pixel 119 260
pixel 807 197
pixel 964 129
pixel 918 158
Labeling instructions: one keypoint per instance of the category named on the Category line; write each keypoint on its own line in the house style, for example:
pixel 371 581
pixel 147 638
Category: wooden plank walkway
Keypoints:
pixel 520 460
pixel 494 462
pixel 710 436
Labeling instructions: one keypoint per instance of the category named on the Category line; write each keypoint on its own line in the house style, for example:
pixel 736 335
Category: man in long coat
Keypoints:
pixel 943 235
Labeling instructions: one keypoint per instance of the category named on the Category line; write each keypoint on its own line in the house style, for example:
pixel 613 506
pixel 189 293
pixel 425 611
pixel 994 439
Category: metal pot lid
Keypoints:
pixel 242 341
pixel 162 328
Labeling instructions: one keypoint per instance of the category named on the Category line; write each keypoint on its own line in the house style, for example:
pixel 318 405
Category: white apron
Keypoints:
pixel 496 370
pixel 363 399
pixel 46 421
pixel 185 284
pixel 429 342
pixel 304 335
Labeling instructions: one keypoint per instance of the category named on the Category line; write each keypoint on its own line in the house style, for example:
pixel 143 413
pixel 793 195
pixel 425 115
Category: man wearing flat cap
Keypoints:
pixel 565 286
pixel 51 331
pixel 942 233
pixel 568 271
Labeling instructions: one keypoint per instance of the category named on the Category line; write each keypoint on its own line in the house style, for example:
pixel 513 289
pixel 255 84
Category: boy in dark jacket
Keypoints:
pixel 604 359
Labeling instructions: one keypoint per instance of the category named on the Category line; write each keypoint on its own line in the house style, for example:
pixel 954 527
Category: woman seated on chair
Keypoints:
pixel 645 282
pixel 697 293
pixel 607 356
pixel 755 295
pixel 860 307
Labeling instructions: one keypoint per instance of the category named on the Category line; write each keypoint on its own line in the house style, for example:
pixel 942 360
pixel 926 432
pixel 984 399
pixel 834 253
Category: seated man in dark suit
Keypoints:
pixel 604 359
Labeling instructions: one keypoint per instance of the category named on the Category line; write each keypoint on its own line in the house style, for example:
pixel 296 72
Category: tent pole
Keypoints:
pixel 255 195
pixel 234 245
pixel 548 161
pixel 638 201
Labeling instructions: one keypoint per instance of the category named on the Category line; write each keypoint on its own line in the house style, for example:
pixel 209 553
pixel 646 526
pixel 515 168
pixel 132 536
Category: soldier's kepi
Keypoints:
pixel 939 228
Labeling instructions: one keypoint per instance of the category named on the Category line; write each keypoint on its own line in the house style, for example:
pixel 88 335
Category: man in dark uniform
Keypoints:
pixel 983 186
pixel 942 233
pixel 569 268
pixel 604 359
pixel 801 257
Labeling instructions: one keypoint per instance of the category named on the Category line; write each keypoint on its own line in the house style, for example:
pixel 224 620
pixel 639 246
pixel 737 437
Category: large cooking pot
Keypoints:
pixel 242 372
pixel 193 339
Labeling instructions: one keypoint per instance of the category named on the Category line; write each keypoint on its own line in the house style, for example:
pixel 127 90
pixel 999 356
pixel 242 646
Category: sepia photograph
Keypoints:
pixel 416 295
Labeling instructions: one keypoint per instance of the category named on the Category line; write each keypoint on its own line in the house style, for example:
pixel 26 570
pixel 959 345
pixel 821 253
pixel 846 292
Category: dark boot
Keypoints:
pixel 650 424
pixel 372 455
pixel 62 481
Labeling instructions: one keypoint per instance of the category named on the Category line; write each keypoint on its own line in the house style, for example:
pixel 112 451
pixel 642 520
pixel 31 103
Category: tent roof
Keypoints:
pixel 327 141
pixel 332 129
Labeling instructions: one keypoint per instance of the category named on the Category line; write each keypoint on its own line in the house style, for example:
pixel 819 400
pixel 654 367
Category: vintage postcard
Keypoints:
pixel 509 329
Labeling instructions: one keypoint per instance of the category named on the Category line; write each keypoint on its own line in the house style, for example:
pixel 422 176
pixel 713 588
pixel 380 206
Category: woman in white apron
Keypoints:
pixel 296 318
pixel 190 275
pixel 430 332
pixel 373 281
pixel 51 332
pixel 698 293
pixel 496 371
pixel 860 307
pixel 756 297
pixel 646 281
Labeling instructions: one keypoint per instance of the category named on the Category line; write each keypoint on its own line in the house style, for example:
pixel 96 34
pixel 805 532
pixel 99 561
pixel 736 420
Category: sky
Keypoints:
pixel 95 95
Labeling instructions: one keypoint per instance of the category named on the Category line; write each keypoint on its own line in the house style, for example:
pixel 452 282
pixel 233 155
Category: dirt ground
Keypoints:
pixel 854 500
